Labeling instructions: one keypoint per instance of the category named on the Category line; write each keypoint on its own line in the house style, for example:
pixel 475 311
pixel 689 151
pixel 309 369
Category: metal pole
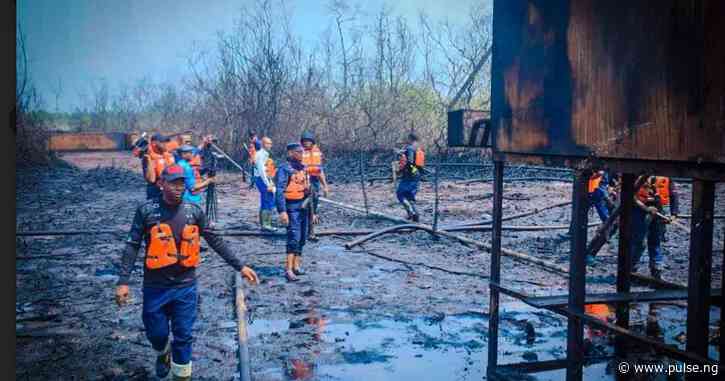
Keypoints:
pixel 435 187
pixel 245 370
pixel 495 269
pixel 362 180
pixel 698 284
pixel 624 256
pixel 577 277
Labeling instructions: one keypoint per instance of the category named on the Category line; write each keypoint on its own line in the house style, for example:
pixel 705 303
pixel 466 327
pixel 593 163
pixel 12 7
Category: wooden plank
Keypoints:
pixel 617 297
pixel 698 283
pixel 495 277
pixel 245 370
pixel 577 277
pixel 542 366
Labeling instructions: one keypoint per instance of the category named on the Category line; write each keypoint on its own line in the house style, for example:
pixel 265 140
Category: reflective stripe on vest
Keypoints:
pixel 298 186
pixel 663 189
pixel 312 159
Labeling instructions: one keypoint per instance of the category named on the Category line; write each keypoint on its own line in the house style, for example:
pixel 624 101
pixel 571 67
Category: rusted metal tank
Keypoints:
pixel 625 81
pixel 89 141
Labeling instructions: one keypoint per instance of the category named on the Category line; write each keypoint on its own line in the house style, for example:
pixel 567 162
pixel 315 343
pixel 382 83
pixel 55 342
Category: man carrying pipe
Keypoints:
pixel 313 158
pixel 264 171
pixel 645 214
pixel 292 199
pixel 171 229
pixel 410 166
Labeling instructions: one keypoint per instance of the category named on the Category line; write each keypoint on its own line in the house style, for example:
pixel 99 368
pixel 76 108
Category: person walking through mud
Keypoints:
pixel 410 167
pixel 264 171
pixel 171 229
pixel 313 158
pixel 292 200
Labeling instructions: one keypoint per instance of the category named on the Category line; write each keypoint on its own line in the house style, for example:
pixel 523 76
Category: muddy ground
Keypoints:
pixel 355 316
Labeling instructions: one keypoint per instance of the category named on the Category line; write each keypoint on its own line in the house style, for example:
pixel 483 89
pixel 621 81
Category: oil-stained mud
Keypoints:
pixel 354 316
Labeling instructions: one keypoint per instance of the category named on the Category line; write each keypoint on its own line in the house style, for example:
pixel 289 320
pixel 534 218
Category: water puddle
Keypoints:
pixel 344 344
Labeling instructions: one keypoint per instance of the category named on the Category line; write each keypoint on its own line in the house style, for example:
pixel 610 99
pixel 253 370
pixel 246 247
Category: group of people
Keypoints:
pixel 171 224
pixel 656 205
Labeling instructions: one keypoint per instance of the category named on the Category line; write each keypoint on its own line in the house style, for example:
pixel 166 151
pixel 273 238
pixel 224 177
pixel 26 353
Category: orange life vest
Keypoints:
pixel 160 161
pixel 172 145
pixel 162 250
pixel 269 168
pixel 298 186
pixel 312 159
pixel 195 164
pixel 643 193
pixel 418 159
pixel 594 180
pixel 663 189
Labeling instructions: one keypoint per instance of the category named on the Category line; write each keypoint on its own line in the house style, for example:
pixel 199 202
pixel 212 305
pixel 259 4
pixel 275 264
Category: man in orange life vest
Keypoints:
pixel 410 167
pixel 154 161
pixel 646 225
pixel 264 171
pixel 171 230
pixel 293 199
pixel 598 193
pixel 669 202
pixel 313 158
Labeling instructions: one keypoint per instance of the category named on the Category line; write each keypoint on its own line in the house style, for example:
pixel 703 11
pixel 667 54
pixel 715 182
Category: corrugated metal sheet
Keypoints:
pixel 627 80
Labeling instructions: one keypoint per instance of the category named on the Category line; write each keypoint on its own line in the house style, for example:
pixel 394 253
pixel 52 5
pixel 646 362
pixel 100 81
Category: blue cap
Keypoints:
pixel 294 146
pixel 186 148
pixel 161 138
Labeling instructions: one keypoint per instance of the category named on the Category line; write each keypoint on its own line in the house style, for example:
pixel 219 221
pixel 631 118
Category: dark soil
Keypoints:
pixel 354 316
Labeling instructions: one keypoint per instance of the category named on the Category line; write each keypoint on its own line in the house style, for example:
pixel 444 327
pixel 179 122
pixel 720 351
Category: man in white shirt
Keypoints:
pixel 264 170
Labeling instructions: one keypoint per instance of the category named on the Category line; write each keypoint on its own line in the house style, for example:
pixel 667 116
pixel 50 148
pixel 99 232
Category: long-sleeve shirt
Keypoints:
pixel 176 275
pixel 260 170
pixel 281 178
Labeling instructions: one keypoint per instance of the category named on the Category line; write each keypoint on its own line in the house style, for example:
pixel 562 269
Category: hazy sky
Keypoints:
pixel 76 41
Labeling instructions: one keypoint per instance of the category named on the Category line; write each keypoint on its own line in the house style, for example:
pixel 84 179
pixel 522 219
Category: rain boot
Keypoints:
pixel 289 265
pixel 407 206
pixel 181 372
pixel 297 266
pixel 163 361
pixel 267 221
pixel 415 216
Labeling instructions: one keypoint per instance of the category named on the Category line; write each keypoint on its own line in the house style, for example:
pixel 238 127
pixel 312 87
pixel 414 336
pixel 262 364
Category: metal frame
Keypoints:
pixel 699 295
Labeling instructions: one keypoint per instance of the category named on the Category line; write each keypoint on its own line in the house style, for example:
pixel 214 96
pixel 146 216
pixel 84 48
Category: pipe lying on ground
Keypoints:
pixel 515 216
pixel 510 253
pixel 510 179
pixel 224 233
pixel 245 371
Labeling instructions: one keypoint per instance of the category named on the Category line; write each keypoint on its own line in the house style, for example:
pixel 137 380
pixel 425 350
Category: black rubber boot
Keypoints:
pixel 163 363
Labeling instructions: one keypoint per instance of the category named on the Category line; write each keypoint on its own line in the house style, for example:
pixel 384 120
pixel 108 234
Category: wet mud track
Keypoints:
pixel 354 316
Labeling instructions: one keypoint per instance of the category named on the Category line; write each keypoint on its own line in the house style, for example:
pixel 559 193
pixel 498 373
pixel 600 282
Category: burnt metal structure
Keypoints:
pixel 637 87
